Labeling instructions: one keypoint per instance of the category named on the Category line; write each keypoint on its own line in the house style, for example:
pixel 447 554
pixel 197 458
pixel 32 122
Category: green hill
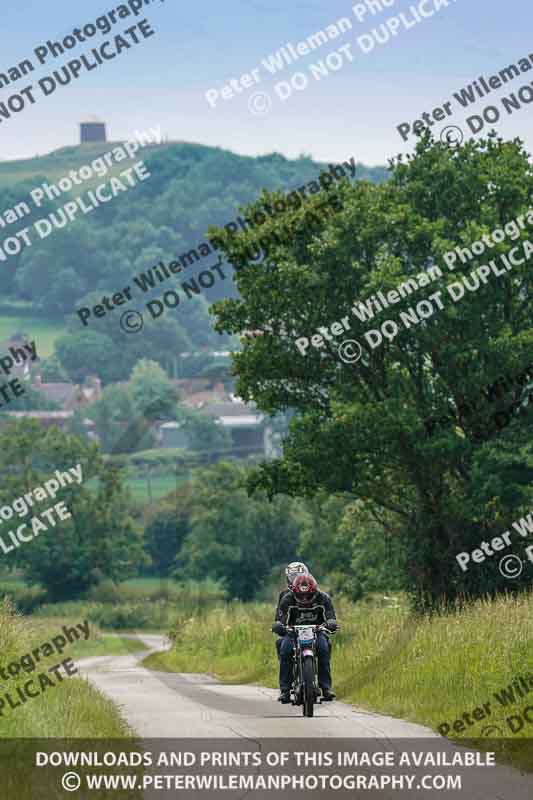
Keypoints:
pixel 58 163
pixel 190 187
pixel 55 165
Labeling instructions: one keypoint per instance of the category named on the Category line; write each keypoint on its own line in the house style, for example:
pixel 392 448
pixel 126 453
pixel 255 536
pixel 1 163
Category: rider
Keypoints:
pixel 292 571
pixel 304 604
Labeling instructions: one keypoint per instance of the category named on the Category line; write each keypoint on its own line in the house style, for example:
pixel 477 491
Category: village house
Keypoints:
pixel 70 396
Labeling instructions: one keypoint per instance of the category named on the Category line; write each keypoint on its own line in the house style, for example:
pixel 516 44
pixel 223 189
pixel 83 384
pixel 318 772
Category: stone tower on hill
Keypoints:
pixel 92 130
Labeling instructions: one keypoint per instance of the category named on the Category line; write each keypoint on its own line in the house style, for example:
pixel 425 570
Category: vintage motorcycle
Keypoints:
pixel 305 690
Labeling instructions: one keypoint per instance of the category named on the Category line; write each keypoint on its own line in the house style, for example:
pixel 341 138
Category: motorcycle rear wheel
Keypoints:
pixel 308 676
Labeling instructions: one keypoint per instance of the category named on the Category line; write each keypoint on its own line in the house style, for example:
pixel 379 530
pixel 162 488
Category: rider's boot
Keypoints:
pixel 328 694
pixel 284 696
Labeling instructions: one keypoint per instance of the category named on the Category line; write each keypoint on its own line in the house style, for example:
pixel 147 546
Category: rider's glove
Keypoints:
pixel 331 625
pixel 279 628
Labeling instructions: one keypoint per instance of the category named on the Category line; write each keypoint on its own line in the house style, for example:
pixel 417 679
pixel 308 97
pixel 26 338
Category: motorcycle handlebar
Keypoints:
pixel 316 628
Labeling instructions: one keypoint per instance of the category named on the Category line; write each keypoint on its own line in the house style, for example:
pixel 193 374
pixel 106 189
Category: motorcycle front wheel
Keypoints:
pixel 308 676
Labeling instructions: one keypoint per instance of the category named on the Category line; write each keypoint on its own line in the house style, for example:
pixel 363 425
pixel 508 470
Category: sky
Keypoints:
pixel 353 110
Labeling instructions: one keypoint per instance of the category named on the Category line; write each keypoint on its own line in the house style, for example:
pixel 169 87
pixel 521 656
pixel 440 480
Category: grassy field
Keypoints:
pixel 144 488
pixel 43 331
pixel 8 582
pixel 428 670
pixel 146 586
pixel 132 589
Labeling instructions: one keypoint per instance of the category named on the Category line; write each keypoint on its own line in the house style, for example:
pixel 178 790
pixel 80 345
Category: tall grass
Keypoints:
pixel 235 642
pixel 69 708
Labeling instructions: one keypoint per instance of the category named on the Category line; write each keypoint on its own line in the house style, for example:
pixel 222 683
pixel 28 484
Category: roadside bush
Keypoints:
pixel 25 598
pixel 128 615
pixel 105 592
pixel 117 616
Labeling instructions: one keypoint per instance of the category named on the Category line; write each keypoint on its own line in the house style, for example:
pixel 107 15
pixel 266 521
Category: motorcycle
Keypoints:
pixel 305 690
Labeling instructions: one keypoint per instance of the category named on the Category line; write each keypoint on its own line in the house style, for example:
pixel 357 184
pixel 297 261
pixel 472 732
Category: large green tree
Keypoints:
pixel 152 392
pixel 91 353
pixel 149 395
pixel 360 427
pixel 111 414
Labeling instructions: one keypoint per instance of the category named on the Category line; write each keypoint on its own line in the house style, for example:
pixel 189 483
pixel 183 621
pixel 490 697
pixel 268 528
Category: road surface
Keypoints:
pixel 196 706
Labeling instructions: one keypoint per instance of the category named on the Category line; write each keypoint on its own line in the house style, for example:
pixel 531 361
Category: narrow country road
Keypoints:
pixel 196 706
pixel 177 704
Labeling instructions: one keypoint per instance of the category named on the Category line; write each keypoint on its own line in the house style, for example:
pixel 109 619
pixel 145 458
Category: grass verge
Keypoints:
pixel 67 708
pixel 68 715
pixel 145 486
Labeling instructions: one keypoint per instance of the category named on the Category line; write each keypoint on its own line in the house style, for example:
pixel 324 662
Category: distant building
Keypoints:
pixel 196 392
pixel 70 396
pixel 22 369
pixel 92 130
pixel 249 431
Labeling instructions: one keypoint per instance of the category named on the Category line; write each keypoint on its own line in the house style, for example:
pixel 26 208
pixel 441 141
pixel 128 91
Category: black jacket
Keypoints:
pixel 289 613
pixel 282 595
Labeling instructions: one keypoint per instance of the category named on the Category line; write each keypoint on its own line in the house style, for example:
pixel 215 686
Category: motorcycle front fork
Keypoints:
pixel 297 683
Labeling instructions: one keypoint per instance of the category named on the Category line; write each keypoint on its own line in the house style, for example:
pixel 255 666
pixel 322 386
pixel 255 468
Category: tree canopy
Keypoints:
pixel 359 427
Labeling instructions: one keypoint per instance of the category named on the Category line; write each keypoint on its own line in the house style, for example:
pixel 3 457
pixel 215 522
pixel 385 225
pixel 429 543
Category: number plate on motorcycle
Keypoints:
pixel 305 634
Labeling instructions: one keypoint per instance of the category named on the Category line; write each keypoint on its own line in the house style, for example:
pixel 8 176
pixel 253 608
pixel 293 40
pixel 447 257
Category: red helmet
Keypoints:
pixel 304 588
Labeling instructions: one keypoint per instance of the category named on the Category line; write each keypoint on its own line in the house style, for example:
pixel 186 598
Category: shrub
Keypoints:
pixel 26 599
pixel 105 592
